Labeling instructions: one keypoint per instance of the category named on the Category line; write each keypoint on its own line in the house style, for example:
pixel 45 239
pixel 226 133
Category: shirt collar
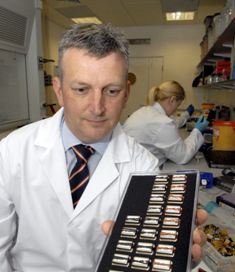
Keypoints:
pixel 69 139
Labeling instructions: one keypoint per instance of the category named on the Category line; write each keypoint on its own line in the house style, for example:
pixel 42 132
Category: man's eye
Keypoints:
pixel 112 92
pixel 80 90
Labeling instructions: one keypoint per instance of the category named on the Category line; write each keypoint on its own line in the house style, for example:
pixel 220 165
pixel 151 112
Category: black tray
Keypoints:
pixel 136 202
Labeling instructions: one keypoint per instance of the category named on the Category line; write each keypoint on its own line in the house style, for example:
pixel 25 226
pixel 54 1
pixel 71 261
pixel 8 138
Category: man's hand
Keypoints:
pixel 199 237
pixel 107 227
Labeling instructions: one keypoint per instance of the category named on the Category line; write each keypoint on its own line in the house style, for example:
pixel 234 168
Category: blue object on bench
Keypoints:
pixel 208 176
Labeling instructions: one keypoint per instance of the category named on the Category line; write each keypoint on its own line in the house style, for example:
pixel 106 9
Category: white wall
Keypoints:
pixel 51 36
pixel 179 46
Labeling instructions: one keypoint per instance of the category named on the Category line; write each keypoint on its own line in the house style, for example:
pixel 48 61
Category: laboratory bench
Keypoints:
pixel 206 196
pixel 224 215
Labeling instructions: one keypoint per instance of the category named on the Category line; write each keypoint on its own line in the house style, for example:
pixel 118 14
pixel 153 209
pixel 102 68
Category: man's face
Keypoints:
pixel 93 93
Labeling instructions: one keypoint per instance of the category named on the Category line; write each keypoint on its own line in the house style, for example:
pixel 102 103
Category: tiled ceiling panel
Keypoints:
pixel 131 12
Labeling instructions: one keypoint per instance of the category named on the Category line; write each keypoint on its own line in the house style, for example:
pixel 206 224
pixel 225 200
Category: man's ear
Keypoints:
pixel 57 86
pixel 128 90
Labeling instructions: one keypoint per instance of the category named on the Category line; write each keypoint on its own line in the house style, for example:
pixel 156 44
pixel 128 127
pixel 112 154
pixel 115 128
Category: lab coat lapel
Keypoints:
pixel 52 158
pixel 107 171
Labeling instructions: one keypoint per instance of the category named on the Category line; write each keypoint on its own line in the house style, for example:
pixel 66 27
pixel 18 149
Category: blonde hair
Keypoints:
pixel 164 90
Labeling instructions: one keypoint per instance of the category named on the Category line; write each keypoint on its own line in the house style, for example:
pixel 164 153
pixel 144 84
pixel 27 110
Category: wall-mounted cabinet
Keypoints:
pixel 222 49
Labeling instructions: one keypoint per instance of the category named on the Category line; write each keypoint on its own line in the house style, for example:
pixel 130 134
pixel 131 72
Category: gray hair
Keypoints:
pixel 98 39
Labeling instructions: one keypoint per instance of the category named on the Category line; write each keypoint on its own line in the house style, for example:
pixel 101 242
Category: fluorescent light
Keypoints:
pixel 180 16
pixel 82 20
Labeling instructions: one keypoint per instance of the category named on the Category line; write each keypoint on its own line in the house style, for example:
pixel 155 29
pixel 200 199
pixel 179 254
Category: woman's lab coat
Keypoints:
pixel 152 128
pixel 39 230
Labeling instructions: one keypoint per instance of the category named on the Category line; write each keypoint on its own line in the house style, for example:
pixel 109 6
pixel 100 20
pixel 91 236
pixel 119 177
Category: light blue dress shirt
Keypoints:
pixel 69 140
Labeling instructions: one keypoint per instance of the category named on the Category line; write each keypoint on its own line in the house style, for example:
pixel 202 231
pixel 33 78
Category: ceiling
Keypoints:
pixel 125 13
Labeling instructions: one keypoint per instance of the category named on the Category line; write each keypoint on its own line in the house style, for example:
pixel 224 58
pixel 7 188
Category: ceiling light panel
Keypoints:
pixel 179 16
pixel 82 20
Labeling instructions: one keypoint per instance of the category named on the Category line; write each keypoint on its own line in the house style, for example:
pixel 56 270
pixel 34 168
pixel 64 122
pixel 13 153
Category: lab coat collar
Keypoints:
pixel 51 154
pixel 52 158
pixel 159 108
pixel 49 130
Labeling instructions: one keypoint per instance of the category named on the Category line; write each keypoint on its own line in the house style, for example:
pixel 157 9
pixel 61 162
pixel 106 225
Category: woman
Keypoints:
pixel 153 127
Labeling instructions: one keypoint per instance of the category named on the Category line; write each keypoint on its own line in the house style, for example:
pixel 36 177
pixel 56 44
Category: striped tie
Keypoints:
pixel 79 176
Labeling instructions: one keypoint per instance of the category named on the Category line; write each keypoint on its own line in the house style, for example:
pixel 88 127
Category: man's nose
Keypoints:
pixel 98 103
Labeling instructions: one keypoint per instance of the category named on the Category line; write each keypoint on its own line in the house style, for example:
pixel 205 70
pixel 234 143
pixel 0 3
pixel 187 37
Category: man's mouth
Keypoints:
pixel 96 121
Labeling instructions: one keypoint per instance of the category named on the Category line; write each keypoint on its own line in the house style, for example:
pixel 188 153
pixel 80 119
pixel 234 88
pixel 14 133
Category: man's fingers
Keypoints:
pixel 107 227
pixel 199 237
pixel 202 216
pixel 196 253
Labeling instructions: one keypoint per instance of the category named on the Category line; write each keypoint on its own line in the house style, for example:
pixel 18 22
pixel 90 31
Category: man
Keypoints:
pixel 41 227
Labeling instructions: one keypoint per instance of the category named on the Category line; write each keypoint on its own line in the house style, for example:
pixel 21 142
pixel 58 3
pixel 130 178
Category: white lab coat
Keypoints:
pixel 152 128
pixel 34 189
